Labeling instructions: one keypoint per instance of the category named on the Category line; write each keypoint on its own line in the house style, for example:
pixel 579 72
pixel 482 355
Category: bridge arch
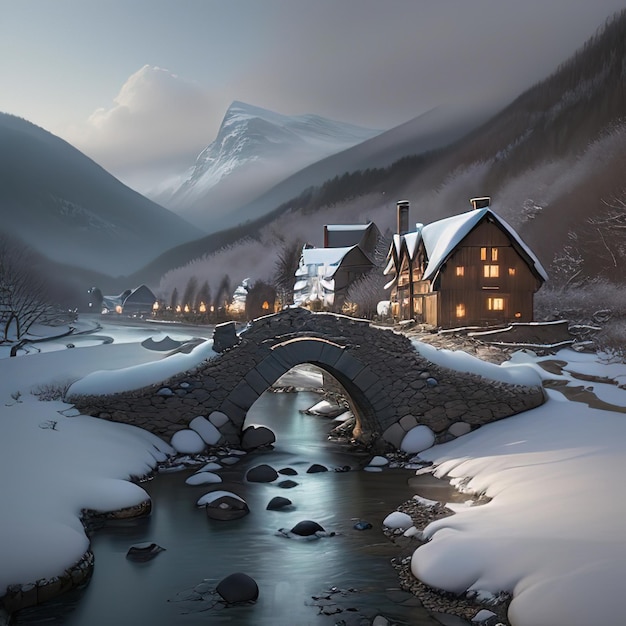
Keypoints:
pixel 391 387
pixel 350 372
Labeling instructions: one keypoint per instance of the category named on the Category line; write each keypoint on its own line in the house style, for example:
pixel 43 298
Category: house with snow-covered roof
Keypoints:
pixel 366 236
pixel 325 274
pixel 468 269
pixel 138 301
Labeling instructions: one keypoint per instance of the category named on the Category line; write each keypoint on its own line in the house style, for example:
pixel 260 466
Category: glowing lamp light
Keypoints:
pixel 186 308
pixel 155 306
pixel 118 309
pixel 202 307
pixel 178 309
pixel 266 305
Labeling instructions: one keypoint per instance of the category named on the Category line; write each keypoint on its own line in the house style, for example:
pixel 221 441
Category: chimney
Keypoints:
pixel 403 217
pixel 325 236
pixel 480 203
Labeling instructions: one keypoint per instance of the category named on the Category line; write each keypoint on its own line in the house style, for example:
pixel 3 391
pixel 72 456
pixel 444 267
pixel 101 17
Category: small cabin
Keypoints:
pixel 470 269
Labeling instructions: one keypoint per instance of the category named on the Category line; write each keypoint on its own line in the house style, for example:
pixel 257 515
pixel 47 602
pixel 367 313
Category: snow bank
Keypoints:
pixel 553 533
pixel 513 374
pixel 106 382
pixel 52 467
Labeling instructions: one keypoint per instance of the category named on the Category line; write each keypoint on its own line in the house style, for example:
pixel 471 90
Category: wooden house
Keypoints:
pixel 471 269
pixel 325 274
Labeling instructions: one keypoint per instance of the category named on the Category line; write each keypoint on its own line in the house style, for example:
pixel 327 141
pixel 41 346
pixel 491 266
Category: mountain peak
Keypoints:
pixel 253 150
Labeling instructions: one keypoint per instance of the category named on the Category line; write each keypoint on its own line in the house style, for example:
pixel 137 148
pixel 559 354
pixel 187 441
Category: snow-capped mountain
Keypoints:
pixel 254 149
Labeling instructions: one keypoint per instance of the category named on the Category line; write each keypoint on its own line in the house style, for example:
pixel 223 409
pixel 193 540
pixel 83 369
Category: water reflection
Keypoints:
pixel 288 572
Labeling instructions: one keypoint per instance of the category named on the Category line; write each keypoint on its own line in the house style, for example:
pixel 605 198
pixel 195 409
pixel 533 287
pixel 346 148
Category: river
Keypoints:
pixel 289 572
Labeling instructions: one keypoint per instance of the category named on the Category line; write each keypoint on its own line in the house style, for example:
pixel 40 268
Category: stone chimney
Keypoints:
pixel 480 203
pixel 403 217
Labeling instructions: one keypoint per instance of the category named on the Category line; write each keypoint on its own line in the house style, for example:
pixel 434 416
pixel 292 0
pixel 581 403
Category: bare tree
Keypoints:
pixel 23 290
pixel 365 293
pixel 203 297
pixel 174 299
pixel 285 268
pixel 189 294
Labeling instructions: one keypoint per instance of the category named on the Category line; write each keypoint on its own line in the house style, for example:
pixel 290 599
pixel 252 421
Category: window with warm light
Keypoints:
pixel 518 315
pixel 460 310
pixel 460 270
pixel 511 271
pixel 490 254
pixel 495 304
pixel 491 271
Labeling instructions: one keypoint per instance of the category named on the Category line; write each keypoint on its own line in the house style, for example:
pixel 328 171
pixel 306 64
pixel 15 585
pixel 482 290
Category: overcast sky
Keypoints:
pixel 142 85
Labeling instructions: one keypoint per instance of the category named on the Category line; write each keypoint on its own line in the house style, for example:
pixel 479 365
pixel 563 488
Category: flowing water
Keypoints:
pixel 289 572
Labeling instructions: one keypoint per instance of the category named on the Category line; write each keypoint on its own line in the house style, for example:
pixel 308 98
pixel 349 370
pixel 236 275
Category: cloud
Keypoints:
pixel 158 120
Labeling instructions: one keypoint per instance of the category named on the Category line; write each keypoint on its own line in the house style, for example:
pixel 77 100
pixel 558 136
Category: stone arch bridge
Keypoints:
pixel 390 387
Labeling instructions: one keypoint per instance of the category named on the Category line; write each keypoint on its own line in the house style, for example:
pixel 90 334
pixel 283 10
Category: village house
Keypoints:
pixel 138 301
pixel 471 269
pixel 324 275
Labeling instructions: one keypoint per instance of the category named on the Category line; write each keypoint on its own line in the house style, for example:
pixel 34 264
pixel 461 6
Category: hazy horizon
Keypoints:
pixel 142 87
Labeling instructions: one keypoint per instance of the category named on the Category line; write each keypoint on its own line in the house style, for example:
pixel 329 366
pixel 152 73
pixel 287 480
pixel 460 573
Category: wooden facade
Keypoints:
pixel 487 277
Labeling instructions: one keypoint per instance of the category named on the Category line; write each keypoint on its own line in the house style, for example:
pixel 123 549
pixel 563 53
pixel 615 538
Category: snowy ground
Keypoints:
pixel 551 534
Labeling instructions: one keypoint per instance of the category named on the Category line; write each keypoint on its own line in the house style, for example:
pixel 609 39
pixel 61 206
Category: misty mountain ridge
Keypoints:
pixel 65 206
pixel 553 161
pixel 254 149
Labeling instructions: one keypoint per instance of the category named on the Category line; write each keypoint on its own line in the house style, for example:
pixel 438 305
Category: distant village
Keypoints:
pixel 471 269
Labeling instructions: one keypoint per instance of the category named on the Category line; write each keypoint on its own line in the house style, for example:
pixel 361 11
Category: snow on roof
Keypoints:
pixel 441 238
pixel 412 241
pixel 348 227
pixel 325 256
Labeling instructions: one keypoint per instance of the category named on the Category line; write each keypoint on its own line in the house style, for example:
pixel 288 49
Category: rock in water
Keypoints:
pixel 256 437
pixel 238 587
pixel 316 468
pixel 262 474
pixel 143 551
pixel 277 503
pixel 306 528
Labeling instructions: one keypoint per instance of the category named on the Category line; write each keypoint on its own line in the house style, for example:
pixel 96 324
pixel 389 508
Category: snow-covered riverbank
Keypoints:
pixel 551 534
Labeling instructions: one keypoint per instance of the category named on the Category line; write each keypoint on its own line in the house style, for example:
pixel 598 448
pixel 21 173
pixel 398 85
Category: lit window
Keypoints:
pixel 491 271
pixel 494 254
pixel 460 270
pixel 483 254
pixel 511 271
pixel 460 310
pixel 518 315
pixel 495 304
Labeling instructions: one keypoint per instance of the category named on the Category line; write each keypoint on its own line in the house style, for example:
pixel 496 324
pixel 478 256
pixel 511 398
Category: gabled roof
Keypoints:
pixel 343 235
pixel 330 258
pixel 441 238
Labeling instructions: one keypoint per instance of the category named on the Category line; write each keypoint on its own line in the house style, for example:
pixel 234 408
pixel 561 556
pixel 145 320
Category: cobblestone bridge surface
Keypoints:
pixel 391 388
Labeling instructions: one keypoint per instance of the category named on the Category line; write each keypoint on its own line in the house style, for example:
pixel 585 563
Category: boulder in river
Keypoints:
pixel 316 468
pixel 143 551
pixel 224 505
pixel 278 503
pixel 256 437
pixel 238 587
pixel 261 474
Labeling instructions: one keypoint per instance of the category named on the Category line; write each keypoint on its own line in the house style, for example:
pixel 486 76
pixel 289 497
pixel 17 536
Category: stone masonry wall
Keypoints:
pixel 393 387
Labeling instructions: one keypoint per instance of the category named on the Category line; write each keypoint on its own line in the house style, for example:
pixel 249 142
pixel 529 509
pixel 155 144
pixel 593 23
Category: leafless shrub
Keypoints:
pixel 51 392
